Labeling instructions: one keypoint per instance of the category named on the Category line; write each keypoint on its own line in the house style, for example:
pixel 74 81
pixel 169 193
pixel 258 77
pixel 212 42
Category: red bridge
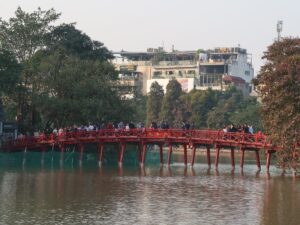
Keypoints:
pixel 142 137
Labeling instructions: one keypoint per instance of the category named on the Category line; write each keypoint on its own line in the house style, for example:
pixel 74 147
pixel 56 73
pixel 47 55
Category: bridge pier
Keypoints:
pixel 185 154
pixel 232 157
pixel 43 154
pixel 217 156
pixel 242 158
pixel 257 159
pixel 193 155
pixel 208 156
pixel 169 154
pixel 268 161
pixel 122 153
pixel 161 160
pixel 81 148
pixel 144 154
pixel 101 152
pixel 62 150
pixel 139 152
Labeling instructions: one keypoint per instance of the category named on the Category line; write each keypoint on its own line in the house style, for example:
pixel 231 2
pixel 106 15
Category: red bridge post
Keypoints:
pixel 217 156
pixel 185 154
pixel 169 154
pixel 139 149
pixel 208 156
pixel 122 153
pixel 161 154
pixel 232 157
pixel 194 155
pixel 242 157
pixel 81 148
pixel 101 152
pixel 268 162
pixel 257 159
pixel 144 154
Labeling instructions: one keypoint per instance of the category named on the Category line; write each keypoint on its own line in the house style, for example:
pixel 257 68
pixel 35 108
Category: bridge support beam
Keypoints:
pixel 232 157
pixel 217 156
pixel 242 158
pixel 169 154
pixel 161 159
pixel 139 152
pixel 193 155
pixel 185 154
pixel 268 162
pixel 257 159
pixel 208 156
pixel 81 148
pixel 62 149
pixel 144 154
pixel 122 153
pixel 101 152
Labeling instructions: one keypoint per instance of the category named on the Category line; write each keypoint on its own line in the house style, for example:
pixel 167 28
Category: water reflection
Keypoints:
pixel 50 193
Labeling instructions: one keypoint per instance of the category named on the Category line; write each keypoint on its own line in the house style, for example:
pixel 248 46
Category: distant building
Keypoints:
pixel 216 69
pixel 221 67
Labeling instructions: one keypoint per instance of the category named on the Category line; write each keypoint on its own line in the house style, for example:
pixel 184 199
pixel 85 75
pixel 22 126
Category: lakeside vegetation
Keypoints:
pixel 206 109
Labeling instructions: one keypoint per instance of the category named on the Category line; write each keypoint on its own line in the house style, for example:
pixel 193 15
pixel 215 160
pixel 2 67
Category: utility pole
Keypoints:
pixel 279 29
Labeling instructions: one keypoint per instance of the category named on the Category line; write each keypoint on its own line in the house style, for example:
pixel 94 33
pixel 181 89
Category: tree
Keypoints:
pixel 170 109
pixel 9 72
pixel 74 42
pixel 24 35
pixel 154 102
pixel 77 91
pixel 279 86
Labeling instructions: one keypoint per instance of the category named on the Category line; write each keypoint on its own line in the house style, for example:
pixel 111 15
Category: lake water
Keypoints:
pixel 33 191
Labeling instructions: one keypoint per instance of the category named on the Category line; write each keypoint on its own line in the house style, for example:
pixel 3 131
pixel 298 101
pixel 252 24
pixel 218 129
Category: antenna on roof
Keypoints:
pixel 279 29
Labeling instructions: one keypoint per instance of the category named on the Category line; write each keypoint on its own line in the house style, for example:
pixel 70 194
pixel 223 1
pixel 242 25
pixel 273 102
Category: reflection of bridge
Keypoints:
pixel 142 137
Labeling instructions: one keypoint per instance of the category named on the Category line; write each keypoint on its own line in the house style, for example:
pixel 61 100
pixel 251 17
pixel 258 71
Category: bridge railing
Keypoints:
pixel 206 135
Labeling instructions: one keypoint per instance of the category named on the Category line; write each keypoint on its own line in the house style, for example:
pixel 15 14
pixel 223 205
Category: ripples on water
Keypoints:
pixel 35 194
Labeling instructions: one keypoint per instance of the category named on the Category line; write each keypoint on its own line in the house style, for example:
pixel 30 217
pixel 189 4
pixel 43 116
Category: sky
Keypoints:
pixel 135 25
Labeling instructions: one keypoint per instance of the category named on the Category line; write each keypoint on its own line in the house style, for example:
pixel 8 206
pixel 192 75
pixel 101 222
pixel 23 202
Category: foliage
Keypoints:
pixel 73 42
pixel 9 72
pixel 170 109
pixel 154 102
pixel 209 108
pixel 279 86
pixel 58 75
pixel 25 34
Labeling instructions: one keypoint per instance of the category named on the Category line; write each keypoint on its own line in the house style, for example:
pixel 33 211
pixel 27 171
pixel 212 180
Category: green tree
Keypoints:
pixel 78 83
pixel 279 85
pixel 248 111
pixel 9 76
pixel 77 91
pixel 9 72
pixel 24 35
pixel 170 109
pixel 74 42
pixel 154 102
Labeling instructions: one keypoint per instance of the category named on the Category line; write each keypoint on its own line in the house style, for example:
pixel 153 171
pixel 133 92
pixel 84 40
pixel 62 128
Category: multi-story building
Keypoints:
pixel 216 69
pixel 221 67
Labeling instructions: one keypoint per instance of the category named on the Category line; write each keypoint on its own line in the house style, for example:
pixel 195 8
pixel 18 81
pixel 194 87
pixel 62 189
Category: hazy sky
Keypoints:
pixel 135 25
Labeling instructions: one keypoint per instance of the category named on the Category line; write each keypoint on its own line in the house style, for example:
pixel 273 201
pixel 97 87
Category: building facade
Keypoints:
pixel 216 69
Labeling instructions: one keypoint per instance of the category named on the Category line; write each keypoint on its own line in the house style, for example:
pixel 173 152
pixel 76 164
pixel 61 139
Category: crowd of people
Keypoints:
pixel 154 125
pixel 240 128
